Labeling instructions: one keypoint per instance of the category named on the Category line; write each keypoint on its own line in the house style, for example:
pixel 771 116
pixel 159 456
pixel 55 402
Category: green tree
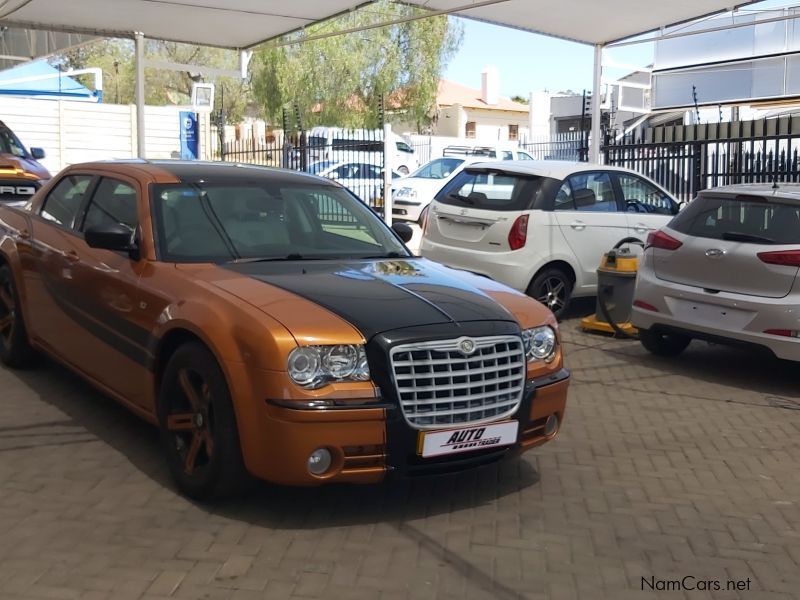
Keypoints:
pixel 162 87
pixel 339 80
pixel 520 99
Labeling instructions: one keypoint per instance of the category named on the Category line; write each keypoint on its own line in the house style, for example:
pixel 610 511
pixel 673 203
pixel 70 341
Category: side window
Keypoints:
pixel 113 203
pixel 524 156
pixel 403 147
pixel 63 203
pixel 506 155
pixel 564 199
pixel 593 192
pixel 643 196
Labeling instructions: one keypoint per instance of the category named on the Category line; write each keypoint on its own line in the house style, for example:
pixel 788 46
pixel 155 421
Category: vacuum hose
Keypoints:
pixel 605 290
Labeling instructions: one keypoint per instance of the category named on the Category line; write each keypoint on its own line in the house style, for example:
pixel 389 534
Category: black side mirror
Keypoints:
pixel 37 153
pixel 111 237
pixel 404 231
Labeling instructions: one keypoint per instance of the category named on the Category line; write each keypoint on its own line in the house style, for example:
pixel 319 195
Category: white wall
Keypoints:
pixel 492 125
pixel 539 114
pixel 450 121
pixel 72 132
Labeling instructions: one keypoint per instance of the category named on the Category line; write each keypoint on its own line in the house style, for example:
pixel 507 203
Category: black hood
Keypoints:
pixel 377 296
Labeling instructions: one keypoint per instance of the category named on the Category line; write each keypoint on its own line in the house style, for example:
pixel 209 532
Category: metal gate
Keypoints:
pixel 689 158
pixel 353 157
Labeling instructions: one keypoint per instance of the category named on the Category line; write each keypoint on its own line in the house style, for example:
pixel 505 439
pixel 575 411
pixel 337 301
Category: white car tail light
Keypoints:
pixel 519 233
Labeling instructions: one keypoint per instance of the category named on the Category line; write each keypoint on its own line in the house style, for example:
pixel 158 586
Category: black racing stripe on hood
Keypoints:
pixel 378 296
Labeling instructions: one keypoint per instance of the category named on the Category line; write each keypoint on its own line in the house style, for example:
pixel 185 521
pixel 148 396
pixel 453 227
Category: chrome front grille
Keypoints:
pixel 440 386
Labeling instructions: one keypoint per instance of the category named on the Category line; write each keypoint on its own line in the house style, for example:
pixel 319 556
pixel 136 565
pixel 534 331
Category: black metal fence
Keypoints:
pixel 687 159
pixel 353 157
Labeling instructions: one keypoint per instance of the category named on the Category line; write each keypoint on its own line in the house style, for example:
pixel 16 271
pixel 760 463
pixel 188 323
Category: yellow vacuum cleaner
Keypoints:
pixel 616 281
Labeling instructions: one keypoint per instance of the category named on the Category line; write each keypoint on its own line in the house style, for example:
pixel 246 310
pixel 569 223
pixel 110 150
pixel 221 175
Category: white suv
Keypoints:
pixel 541 226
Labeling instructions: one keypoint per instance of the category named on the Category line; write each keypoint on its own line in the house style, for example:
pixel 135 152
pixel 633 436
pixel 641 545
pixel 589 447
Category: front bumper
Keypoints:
pixel 368 443
pixel 407 210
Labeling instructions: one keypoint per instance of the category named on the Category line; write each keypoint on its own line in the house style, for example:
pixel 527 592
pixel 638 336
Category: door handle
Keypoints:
pixel 578 225
pixel 72 256
pixel 640 228
pixel 24 235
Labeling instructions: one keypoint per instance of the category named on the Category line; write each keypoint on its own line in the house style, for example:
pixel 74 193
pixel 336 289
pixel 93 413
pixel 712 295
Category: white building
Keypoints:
pixel 480 114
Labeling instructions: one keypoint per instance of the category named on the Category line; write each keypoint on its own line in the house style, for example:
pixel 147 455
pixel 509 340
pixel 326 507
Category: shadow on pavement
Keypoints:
pixel 774 382
pixel 271 505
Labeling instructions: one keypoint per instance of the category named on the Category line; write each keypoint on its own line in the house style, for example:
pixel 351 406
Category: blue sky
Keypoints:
pixel 529 62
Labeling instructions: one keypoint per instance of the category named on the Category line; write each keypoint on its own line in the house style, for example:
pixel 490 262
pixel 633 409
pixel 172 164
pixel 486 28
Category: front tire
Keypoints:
pixel 198 426
pixel 553 288
pixel 15 349
pixel 663 344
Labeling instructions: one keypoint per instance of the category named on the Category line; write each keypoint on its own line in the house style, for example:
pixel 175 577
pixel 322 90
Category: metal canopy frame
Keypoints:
pixel 566 20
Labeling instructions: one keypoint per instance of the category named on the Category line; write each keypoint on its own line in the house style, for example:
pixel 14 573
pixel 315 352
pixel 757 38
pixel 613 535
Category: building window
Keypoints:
pixel 470 129
pixel 513 132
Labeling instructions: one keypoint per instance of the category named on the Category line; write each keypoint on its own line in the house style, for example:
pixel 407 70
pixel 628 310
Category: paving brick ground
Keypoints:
pixel 665 469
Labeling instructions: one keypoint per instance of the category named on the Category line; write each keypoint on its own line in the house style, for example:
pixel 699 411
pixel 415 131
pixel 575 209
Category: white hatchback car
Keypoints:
pixel 724 270
pixel 541 226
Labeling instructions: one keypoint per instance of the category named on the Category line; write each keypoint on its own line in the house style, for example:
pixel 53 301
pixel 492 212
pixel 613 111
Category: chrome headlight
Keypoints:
pixel 540 343
pixel 315 366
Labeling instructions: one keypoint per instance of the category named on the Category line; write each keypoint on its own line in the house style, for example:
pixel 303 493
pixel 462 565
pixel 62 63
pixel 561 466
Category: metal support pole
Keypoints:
pixel 388 155
pixel 140 145
pixel 594 147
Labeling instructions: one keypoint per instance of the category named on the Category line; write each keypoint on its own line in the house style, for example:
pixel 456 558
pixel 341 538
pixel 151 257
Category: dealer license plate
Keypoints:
pixel 480 437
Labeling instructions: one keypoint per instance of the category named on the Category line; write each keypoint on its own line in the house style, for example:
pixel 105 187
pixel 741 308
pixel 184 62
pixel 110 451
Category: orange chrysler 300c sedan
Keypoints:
pixel 272 325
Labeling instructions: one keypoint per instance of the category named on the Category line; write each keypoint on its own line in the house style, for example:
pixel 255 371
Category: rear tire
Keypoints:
pixel 15 349
pixel 198 426
pixel 663 344
pixel 553 288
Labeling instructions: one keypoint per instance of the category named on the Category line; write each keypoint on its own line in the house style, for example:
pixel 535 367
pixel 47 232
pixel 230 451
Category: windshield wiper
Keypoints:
pixel 391 254
pixel 735 236
pixel 254 259
pixel 463 199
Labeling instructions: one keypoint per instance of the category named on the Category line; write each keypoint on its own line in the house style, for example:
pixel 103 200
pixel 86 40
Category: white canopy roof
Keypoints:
pixel 245 23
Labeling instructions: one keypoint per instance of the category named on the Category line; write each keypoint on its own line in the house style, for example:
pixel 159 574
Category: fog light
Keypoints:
pixel 551 425
pixel 319 461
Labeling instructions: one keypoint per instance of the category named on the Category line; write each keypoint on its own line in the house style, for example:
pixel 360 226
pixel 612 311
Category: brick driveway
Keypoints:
pixel 665 469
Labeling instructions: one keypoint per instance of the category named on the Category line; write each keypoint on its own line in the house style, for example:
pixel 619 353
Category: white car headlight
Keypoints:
pixel 315 366
pixel 540 343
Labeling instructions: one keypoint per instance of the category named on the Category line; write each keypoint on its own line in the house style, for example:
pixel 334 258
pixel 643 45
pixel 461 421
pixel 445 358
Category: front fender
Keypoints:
pixel 234 333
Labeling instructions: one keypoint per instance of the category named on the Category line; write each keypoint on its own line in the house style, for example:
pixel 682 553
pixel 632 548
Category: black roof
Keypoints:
pixel 194 171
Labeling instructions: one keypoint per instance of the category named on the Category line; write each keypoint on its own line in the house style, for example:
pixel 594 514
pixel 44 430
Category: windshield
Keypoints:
pixel 440 168
pixel 9 144
pixel 225 221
